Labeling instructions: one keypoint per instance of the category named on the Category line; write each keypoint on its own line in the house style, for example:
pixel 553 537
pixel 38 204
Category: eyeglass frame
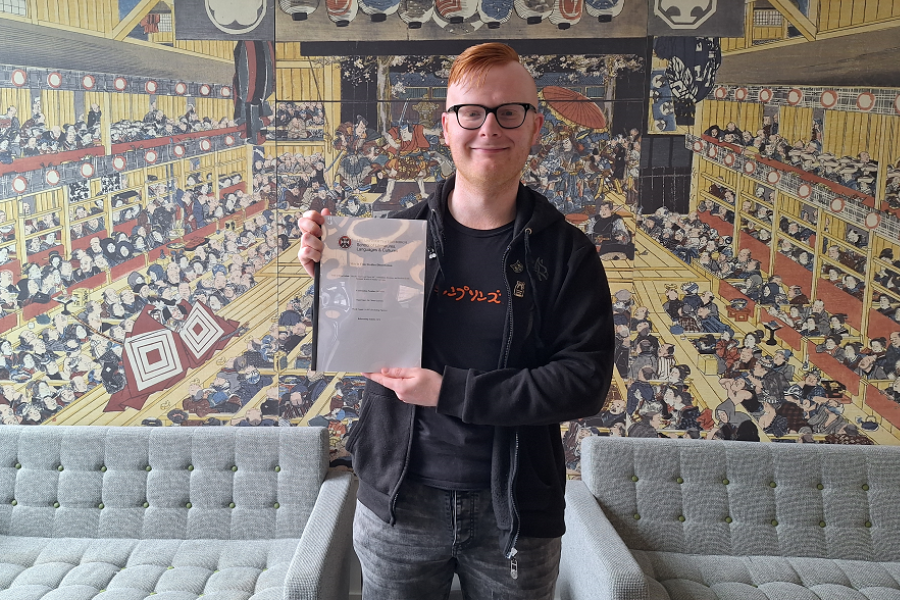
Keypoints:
pixel 488 110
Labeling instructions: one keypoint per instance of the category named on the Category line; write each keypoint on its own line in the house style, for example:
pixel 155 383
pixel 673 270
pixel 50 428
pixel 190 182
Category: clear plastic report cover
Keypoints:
pixel 370 295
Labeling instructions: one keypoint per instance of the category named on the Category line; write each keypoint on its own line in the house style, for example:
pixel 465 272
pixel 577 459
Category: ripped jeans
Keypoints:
pixel 438 533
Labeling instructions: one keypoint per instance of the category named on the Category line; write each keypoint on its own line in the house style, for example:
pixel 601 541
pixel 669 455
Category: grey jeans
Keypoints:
pixel 438 533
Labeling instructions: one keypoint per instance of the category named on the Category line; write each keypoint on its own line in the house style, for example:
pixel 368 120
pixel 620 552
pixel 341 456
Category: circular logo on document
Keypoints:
pixel 345 242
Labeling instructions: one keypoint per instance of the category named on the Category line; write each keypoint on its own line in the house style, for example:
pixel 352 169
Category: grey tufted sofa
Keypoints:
pixel 692 519
pixel 127 513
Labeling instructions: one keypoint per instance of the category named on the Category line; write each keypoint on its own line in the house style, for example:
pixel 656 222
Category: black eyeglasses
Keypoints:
pixel 509 116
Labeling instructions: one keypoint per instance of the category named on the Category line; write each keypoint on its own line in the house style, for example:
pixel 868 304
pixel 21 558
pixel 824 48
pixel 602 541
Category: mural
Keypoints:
pixel 148 213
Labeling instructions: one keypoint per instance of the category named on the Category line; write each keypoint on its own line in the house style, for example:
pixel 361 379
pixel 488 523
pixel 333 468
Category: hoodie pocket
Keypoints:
pixel 379 442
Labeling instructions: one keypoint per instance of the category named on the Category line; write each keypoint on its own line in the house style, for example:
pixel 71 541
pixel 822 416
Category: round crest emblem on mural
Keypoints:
pixel 19 184
pixel 828 99
pixel 236 17
pixel 684 14
pixel 866 101
pixel 873 220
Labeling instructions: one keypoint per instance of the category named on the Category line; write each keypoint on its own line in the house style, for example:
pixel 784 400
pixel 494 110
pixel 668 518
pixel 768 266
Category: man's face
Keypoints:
pixel 491 155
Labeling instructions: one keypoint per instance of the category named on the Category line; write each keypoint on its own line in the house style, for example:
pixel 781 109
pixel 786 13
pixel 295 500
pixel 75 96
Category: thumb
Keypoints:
pixel 395 372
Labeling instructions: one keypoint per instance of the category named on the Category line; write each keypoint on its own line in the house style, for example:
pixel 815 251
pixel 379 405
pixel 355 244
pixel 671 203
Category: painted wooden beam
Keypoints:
pixel 132 19
pixel 796 18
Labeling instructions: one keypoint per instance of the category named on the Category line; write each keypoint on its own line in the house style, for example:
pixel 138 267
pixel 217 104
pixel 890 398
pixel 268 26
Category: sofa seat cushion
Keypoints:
pixel 714 577
pixel 124 569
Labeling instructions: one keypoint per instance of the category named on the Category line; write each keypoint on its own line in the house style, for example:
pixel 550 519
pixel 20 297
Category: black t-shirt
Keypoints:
pixel 464 329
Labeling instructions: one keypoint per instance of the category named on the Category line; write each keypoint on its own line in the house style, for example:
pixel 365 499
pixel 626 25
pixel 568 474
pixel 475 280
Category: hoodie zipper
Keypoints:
pixel 511 550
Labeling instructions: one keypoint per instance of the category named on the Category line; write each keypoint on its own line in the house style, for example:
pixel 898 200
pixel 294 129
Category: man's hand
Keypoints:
pixel 412 386
pixel 311 243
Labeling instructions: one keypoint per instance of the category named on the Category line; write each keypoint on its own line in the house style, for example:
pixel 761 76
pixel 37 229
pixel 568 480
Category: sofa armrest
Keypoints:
pixel 595 562
pixel 319 569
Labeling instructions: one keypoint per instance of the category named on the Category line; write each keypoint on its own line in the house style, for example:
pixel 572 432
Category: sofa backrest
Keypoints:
pixel 740 498
pixel 159 483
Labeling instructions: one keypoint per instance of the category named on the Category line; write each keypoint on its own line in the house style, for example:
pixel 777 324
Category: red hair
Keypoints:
pixel 475 61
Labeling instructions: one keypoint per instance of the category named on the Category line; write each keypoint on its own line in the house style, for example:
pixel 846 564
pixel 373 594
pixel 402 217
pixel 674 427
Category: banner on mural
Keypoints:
pixel 712 18
pixel 157 355
pixel 225 19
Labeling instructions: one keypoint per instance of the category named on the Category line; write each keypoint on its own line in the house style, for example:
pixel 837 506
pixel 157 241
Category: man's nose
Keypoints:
pixel 490 124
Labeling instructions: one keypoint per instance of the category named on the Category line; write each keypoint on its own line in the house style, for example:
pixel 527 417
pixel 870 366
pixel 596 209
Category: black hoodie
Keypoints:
pixel 556 366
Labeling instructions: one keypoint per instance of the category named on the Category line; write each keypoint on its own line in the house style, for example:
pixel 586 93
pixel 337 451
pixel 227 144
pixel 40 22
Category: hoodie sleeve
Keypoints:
pixel 574 374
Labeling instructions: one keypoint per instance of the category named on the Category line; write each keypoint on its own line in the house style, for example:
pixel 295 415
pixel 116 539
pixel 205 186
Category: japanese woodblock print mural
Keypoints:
pixel 155 156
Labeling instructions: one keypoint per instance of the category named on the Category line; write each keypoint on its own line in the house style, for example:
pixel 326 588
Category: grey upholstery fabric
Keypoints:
pixel 178 513
pixel 706 519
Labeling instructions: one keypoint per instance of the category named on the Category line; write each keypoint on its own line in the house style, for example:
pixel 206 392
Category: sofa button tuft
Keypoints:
pixel 18 465
pixel 103 469
pixel 231 505
pixel 56 505
pixel 865 487
pixel 728 519
pixel 821 523
pixel 634 478
pixel 820 487
pixel 679 480
pixel 188 505
pixel 146 505
pixel 148 468
pixel 681 518
pixel 59 468
pixel 277 469
pixel 190 467
pixel 234 468
pixel 277 505
pixel 868 524
pixel 725 482
pixel 101 506
pixel 773 485
pixel 637 517
pixel 774 523
pixel 14 503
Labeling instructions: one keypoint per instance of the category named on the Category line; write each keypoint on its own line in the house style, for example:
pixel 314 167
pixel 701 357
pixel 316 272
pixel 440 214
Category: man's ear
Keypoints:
pixel 538 124
pixel 445 126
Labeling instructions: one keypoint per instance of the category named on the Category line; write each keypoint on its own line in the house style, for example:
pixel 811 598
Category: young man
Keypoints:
pixel 466 450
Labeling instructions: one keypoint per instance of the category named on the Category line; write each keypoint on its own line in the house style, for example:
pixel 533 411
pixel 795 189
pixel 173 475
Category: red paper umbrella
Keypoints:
pixel 574 108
